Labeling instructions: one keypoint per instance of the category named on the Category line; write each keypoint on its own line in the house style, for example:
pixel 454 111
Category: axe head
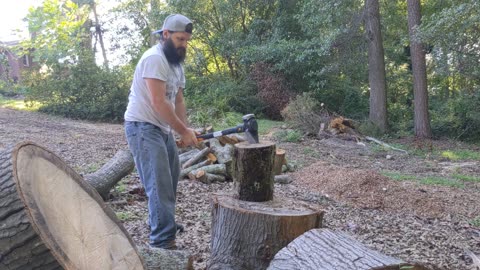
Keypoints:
pixel 250 127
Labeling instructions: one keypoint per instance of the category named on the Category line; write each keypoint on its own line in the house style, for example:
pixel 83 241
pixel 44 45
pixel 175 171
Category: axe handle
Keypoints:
pixel 237 129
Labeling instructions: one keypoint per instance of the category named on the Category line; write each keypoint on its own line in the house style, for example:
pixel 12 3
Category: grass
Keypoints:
pixel 233 119
pixel 466 178
pixel 456 181
pixel 475 222
pixel 125 216
pixel 453 155
pixel 17 104
pixel 461 155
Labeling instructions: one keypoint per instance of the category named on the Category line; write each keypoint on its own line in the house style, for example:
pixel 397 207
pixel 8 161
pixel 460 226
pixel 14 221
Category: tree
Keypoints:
pixel 376 65
pixel 419 71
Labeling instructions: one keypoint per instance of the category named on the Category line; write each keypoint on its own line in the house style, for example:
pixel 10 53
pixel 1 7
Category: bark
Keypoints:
pixel 326 249
pixel 98 32
pixel 246 235
pixel 188 155
pixel 223 153
pixel 196 158
pixel 419 70
pixel 253 171
pixel 113 171
pixel 213 169
pixel 376 66
pixel 184 173
pixel 46 210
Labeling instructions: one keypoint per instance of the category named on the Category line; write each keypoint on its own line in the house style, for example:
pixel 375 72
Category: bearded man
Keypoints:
pixel 155 110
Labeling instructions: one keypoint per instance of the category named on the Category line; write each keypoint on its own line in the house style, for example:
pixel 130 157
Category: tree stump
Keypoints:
pixel 246 235
pixel 52 219
pixel 253 171
pixel 324 249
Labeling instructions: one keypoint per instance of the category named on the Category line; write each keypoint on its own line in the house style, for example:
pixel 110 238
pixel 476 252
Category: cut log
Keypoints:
pixel 223 153
pixel 213 169
pixel 253 171
pixel 228 140
pixel 246 235
pixel 196 158
pixel 324 249
pixel 215 178
pixel 52 219
pixel 187 155
pixel 113 171
pixel 279 161
pixel 184 172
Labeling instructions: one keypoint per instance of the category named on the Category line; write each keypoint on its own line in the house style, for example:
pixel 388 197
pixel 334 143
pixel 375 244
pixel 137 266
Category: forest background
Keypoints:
pixel 398 68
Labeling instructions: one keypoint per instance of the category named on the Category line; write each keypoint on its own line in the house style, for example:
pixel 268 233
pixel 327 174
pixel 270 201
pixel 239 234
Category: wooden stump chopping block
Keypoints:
pixel 246 235
pixel 52 219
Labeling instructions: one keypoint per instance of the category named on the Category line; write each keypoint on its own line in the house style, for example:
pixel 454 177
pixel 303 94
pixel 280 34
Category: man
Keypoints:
pixel 155 109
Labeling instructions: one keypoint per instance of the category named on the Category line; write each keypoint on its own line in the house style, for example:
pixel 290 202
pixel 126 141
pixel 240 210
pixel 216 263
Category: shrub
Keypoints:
pixel 83 91
pixel 303 113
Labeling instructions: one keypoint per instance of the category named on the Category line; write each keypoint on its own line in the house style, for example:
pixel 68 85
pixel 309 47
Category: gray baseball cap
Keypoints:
pixel 176 23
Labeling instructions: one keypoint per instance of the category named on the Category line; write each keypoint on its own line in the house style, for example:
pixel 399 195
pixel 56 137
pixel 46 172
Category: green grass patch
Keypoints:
pixel 399 177
pixel 431 180
pixel 440 181
pixel 18 104
pixel 461 155
pixel 475 222
pixel 125 216
pixel 265 126
pixel 232 119
pixel 288 135
pixel 466 178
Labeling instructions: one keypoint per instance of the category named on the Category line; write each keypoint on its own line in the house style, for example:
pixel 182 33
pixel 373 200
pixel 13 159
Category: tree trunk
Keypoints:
pixel 419 70
pixel 246 235
pixel 376 66
pixel 323 249
pixel 98 32
pixel 52 219
pixel 253 171
pixel 113 171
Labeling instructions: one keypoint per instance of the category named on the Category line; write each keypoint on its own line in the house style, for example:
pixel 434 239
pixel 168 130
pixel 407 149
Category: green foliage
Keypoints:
pixel 458 155
pixel 83 91
pixel 289 135
pixel 466 178
pixel 475 222
pixel 441 181
pixel 303 113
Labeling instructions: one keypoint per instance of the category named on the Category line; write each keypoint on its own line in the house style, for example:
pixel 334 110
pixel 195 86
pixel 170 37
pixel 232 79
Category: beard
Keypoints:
pixel 174 55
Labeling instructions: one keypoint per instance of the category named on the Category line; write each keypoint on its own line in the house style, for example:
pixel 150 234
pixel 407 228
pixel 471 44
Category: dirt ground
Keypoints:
pixel 423 223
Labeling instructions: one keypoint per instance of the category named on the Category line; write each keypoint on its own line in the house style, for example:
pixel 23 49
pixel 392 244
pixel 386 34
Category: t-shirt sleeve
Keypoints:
pixel 155 68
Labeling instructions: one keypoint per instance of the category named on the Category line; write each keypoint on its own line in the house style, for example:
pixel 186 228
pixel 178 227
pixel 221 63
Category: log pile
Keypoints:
pixel 210 161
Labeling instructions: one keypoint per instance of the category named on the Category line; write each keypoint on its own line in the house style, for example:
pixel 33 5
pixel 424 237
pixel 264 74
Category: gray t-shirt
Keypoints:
pixel 154 65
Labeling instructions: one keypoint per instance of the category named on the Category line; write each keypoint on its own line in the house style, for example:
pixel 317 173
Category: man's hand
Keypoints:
pixel 188 138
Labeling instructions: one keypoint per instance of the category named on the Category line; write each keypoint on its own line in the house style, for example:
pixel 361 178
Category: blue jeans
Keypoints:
pixel 156 158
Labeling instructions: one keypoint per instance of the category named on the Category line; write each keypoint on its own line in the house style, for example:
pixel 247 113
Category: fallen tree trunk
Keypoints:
pixel 324 249
pixel 52 219
pixel 113 171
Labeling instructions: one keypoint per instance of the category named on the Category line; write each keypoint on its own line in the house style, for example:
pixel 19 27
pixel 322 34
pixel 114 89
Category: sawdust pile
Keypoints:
pixel 369 190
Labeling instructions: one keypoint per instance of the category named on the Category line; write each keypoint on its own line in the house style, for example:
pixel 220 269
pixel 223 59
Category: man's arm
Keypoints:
pixel 180 108
pixel 166 111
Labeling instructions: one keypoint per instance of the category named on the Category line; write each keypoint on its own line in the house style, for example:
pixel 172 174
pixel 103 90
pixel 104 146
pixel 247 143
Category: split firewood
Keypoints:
pixel 208 178
pixel 279 161
pixel 188 155
pixel 184 172
pixel 212 157
pixel 200 176
pixel 228 140
pixel 213 169
pixel 223 153
pixel 196 158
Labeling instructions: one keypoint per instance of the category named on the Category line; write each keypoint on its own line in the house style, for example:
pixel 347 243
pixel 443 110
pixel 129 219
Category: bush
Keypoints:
pixel 83 91
pixel 213 99
pixel 303 113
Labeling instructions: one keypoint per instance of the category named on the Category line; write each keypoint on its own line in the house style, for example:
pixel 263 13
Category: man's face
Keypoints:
pixel 175 46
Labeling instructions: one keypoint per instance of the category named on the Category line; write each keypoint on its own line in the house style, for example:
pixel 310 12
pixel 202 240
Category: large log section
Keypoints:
pixel 51 219
pixel 246 234
pixel 324 249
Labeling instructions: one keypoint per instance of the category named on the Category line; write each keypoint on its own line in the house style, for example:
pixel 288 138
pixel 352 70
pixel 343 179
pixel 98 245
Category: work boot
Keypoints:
pixel 170 246
pixel 180 228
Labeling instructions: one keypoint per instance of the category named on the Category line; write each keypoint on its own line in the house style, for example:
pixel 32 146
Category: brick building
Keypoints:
pixel 11 65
